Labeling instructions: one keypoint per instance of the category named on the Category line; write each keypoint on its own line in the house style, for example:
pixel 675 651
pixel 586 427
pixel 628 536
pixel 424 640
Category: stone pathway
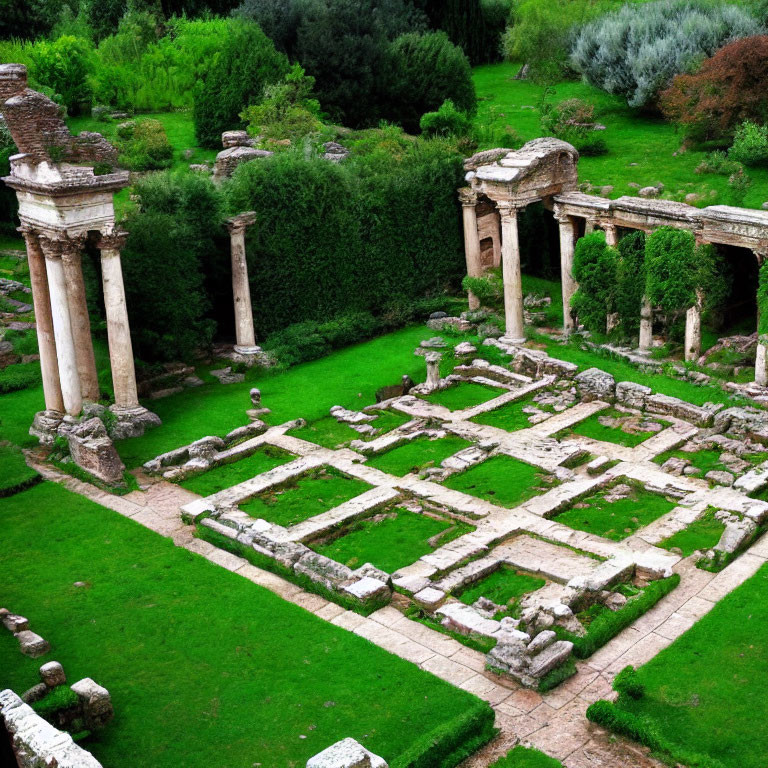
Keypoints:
pixel 553 722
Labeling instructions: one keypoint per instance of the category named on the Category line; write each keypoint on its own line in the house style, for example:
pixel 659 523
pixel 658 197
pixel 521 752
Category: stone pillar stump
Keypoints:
pixel 468 200
pixel 513 282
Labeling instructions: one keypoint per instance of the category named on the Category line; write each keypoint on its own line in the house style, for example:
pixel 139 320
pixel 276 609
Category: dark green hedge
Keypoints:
pixel 19 376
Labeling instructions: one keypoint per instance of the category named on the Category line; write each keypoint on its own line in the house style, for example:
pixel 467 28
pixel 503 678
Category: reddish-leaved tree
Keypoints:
pixel 729 87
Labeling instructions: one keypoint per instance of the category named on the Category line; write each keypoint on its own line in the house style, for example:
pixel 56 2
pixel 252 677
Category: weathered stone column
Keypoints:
pixel 646 326
pixel 589 226
pixel 433 359
pixel 693 330
pixel 510 266
pixel 611 235
pixel 118 328
pixel 761 351
pixel 46 343
pixel 468 199
pixel 62 327
pixel 569 285
pixel 244 332
pixel 71 259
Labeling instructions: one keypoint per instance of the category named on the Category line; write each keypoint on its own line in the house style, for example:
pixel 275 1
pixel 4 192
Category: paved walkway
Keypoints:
pixel 553 722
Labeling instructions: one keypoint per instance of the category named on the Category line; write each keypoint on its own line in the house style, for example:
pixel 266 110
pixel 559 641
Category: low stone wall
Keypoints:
pixel 35 742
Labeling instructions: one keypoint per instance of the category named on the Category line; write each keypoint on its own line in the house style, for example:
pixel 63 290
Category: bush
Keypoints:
pixel 750 144
pixel 446 121
pixel 670 269
pixel 19 376
pixel 246 63
pixel 636 51
pixel 594 268
pixel 573 121
pixel 627 683
pixel 728 88
pixel 144 146
pixel 175 251
pixel 630 280
pixel 278 19
pixel 426 70
pixel 718 162
pixel 65 66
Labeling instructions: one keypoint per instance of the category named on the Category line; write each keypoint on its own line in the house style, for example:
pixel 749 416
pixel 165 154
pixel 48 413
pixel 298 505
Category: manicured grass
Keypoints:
pixel 618 519
pixel 417 455
pixel 502 586
pixel 702 534
pixel 592 427
pixel 708 460
pixel 526 757
pixel 642 149
pixel 706 691
pixel 349 377
pixel 501 480
pixel 326 432
pixel 313 493
pixel 227 475
pixel 205 668
pixel 393 540
pixel 510 416
pixel 14 471
pixel 464 395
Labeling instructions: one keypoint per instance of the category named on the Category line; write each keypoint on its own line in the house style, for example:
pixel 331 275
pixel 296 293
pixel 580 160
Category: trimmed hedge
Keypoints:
pixel 627 683
pixel 643 730
pixel 608 624
pixel 19 376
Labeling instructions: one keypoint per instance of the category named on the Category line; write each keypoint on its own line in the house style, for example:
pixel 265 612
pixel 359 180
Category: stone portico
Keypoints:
pixel 64 205
pixel 546 170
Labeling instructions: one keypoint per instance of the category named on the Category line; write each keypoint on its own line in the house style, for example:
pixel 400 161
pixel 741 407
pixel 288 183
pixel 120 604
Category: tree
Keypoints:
pixel 630 280
pixel 594 268
pixel 728 88
pixel 279 20
pixel 670 264
pixel 65 66
pixel 246 63
pixel 636 51
pixel 27 19
pixel 426 70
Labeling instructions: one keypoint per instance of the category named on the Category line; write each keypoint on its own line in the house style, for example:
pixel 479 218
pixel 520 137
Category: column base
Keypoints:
pixel 45 426
pixel 247 350
pixel 513 340
pixel 131 421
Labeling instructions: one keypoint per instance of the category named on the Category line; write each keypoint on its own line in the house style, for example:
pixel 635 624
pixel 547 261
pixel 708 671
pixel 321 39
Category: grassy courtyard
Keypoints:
pixel 702 534
pixel 502 586
pixel 511 416
pixel 417 454
pixel 392 540
pixel 609 433
pixel 706 692
pixel 184 646
pixel 464 395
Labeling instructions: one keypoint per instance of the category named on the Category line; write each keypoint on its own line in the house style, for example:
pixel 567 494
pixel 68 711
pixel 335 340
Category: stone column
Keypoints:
pixel 569 285
pixel 468 199
pixel 62 327
pixel 693 330
pixel 761 351
pixel 46 342
pixel 589 226
pixel 71 259
pixel 646 326
pixel 611 235
pixel 244 332
pixel 510 265
pixel 433 359
pixel 118 328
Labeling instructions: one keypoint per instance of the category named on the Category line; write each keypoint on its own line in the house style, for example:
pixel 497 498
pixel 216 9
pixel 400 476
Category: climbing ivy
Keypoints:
pixel 594 268
pixel 630 281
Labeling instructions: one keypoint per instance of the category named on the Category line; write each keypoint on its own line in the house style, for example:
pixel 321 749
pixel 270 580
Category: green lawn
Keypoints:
pixel 13 468
pixel 510 416
pixel 227 475
pixel 708 460
pixel 617 519
pixel 205 669
pixel 311 494
pixel 702 534
pixel 327 432
pixel 502 586
pixel 526 757
pixel 501 480
pixel 592 428
pixel 466 394
pixel 417 455
pixel 706 691
pixel 393 540
pixel 642 149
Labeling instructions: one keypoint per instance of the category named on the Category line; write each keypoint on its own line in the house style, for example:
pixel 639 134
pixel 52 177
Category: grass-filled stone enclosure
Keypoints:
pixel 504 586
pixel 614 426
pixel 463 395
pixel 391 539
pixel 418 454
pixel 300 498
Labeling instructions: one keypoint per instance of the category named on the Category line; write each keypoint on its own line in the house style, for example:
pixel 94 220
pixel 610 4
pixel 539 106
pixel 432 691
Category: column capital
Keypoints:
pixel 559 213
pixel 761 254
pixel 468 197
pixel 241 222
pixel 112 241
pixel 507 210
pixel 58 246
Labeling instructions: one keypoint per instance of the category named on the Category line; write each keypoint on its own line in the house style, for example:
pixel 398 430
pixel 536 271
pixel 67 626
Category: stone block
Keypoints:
pixel 31 644
pixel 429 597
pixel 673 406
pixel 96 703
pixel 466 620
pixel 93 450
pixel 52 674
pixel 596 384
pixel 15 623
pixel 551 657
pixel 631 394
pixel 368 588
pixel 346 753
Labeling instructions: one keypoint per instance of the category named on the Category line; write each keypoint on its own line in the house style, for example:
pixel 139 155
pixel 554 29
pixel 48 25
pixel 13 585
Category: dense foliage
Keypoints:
pixel 630 280
pixel 8 204
pixel 246 63
pixel 144 146
pixel 637 50
pixel 670 261
pixel 728 88
pixel 594 268
pixel 65 66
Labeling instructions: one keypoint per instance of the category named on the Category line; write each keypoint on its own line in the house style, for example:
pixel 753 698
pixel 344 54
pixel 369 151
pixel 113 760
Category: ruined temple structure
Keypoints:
pixel 65 186
pixel 501 182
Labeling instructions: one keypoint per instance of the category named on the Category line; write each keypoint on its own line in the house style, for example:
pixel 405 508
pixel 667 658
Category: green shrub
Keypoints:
pixel 718 162
pixel 594 268
pixel 573 120
pixel 635 51
pixel 446 121
pixel 65 66
pixel 630 280
pixel 608 624
pixel 246 63
pixel 58 698
pixel 144 146
pixel 670 265
pixel 556 676
pixel 427 70
pixel 627 683
pixel 750 144
pixel 19 376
